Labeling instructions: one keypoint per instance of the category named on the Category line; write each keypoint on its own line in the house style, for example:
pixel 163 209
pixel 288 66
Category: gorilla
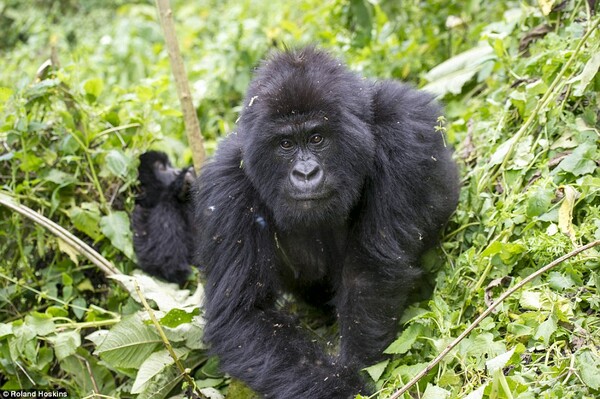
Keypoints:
pixel 331 189
pixel 163 218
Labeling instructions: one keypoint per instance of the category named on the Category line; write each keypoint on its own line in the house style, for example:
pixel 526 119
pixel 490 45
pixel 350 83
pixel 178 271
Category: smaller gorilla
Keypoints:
pixel 162 218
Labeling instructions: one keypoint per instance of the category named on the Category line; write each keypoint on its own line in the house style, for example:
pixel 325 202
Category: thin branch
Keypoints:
pixel 487 312
pixel 81 247
pixel 192 126
pixel 166 341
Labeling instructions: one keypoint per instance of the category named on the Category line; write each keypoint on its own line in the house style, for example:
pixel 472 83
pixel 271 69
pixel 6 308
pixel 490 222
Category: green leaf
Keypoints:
pixel 5 330
pixel 500 361
pixel 191 333
pixel 29 162
pixel 175 317
pixel 45 357
pixel 539 201
pixel 56 311
pixel 81 303
pixel 60 178
pixel 42 88
pixel 86 219
pixel 118 163
pixel 5 93
pixel 67 249
pixel 66 279
pixel 477 394
pixel 581 161
pixel 435 392
pixel 161 385
pixel 154 364
pixel 523 154
pixel 492 249
pixel 546 329
pixel 588 364
pixel 167 296
pixel 65 343
pixel 129 343
pixel 549 301
pixel 501 151
pixel 481 345
pixel 41 323
pixel 589 72
pixel 403 343
pixel 93 87
pixel 407 372
pixel 88 373
pixel 558 281
pixel 97 336
pixel 507 251
pixel 531 300
pixel 363 16
pixel 377 370
pixel 546 6
pixel 451 75
pixel 116 227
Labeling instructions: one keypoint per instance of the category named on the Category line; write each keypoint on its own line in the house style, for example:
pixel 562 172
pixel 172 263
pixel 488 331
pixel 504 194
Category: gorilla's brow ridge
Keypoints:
pixel 295 125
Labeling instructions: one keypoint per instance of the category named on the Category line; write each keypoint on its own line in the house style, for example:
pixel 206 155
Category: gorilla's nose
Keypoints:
pixel 307 175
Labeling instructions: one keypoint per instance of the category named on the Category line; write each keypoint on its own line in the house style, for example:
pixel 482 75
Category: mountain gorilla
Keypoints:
pixel 163 218
pixel 331 189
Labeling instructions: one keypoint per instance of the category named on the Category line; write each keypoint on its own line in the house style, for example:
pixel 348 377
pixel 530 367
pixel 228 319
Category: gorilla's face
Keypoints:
pixel 309 168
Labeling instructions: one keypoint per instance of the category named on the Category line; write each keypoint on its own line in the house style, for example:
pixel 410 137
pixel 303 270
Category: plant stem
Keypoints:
pixel 166 341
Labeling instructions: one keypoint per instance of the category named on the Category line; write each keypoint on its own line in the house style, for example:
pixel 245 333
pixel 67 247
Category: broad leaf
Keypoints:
pixel 451 75
pixel 167 296
pixel 377 370
pixel 588 364
pixel 65 343
pixel 403 343
pixel 435 392
pixel 155 364
pixel 129 343
pixel 115 226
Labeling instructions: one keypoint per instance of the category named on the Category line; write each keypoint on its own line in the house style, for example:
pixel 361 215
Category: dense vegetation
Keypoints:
pixel 522 92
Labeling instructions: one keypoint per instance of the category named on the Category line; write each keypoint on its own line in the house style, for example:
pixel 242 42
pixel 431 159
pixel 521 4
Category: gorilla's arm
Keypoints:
pixel 255 342
pixel 404 206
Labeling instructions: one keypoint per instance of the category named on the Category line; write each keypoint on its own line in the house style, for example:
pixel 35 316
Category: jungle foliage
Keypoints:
pixel 86 86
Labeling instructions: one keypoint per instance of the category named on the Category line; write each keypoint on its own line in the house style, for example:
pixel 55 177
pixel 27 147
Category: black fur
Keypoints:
pixel 338 220
pixel 162 218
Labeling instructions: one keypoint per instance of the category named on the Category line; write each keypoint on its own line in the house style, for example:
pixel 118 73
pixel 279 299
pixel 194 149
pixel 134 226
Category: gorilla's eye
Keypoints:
pixel 286 144
pixel 316 139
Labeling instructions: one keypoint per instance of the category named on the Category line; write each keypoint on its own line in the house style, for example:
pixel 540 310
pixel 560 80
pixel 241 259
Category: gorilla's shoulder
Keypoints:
pixel 397 102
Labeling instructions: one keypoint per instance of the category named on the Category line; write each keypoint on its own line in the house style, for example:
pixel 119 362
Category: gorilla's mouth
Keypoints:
pixel 310 203
pixel 310 197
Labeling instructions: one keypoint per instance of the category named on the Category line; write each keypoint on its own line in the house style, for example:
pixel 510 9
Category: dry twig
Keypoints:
pixel 192 126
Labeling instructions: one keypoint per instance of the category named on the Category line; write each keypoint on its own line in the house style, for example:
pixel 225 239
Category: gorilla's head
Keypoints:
pixel 306 137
